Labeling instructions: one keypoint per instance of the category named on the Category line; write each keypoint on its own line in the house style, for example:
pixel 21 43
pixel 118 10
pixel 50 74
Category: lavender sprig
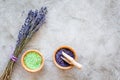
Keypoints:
pixel 33 22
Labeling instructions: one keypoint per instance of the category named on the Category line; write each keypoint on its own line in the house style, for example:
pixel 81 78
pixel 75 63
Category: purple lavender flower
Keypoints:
pixel 33 22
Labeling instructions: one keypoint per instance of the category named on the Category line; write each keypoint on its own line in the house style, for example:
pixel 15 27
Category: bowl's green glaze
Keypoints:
pixel 33 60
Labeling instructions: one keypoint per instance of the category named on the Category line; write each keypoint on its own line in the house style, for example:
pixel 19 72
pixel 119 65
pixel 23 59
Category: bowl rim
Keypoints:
pixel 25 67
pixel 61 47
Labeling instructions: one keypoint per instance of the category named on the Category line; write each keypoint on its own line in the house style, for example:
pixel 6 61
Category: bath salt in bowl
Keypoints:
pixel 32 60
pixel 59 62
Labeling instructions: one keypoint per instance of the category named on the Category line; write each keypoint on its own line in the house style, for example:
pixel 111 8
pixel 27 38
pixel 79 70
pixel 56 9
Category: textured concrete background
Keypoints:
pixel 91 27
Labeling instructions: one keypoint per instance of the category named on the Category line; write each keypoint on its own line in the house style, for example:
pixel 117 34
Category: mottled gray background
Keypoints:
pixel 91 27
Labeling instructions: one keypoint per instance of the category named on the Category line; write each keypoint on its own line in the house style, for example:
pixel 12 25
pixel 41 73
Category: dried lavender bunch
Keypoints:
pixel 33 22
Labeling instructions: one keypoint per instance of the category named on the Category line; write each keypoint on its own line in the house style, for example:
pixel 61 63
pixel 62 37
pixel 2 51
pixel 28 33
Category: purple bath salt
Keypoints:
pixel 58 58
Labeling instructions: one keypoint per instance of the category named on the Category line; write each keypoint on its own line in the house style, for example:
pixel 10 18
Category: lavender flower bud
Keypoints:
pixel 40 19
pixel 33 22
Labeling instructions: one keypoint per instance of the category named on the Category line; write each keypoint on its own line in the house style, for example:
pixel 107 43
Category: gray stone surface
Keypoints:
pixel 91 27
